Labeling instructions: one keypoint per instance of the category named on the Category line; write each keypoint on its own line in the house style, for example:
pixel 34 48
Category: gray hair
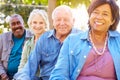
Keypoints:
pixel 65 7
pixel 42 13
pixel 16 16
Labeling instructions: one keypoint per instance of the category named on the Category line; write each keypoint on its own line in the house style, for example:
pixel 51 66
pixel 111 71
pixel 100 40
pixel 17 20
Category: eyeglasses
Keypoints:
pixel 15 23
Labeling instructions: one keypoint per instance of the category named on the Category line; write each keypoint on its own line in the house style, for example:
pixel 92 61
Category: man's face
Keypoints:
pixel 63 22
pixel 17 27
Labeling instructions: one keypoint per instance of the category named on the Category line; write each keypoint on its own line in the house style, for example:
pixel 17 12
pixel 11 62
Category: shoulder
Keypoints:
pixel 77 38
pixel 6 35
pixel 79 35
pixel 114 34
pixel 47 33
pixel 30 41
pixel 74 30
pixel 46 37
pixel 28 33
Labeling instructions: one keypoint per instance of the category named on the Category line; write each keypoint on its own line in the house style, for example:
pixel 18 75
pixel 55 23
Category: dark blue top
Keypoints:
pixel 15 55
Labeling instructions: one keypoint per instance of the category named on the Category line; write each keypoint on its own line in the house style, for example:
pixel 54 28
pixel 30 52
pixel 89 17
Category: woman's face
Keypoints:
pixel 38 24
pixel 101 18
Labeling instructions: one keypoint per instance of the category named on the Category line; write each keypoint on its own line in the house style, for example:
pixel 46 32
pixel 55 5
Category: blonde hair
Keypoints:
pixel 42 13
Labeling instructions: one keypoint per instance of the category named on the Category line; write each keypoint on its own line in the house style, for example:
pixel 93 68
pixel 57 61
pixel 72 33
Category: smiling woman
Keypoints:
pixel 94 54
pixel 38 24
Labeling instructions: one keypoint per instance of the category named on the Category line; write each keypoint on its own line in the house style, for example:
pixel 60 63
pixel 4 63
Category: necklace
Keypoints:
pixel 96 50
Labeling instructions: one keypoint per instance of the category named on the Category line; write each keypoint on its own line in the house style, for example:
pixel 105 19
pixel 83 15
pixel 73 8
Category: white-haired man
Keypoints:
pixel 49 44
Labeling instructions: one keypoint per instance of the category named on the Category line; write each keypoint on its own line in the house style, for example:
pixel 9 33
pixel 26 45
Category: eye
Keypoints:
pixel 34 22
pixel 18 23
pixel 95 12
pixel 41 22
pixel 13 23
pixel 105 14
pixel 58 19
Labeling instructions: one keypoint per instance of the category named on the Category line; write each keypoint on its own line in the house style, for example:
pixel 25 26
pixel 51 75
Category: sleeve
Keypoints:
pixel 25 54
pixel 2 70
pixel 61 70
pixel 28 72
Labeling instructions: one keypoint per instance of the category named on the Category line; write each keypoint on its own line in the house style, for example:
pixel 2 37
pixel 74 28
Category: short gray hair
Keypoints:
pixel 42 13
pixel 65 7
pixel 16 16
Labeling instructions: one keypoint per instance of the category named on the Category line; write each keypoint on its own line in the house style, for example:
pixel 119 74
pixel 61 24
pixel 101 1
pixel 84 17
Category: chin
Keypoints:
pixel 18 36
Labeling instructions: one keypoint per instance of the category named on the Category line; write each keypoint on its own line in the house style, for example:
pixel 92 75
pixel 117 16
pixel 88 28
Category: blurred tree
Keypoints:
pixel 51 5
pixel 24 7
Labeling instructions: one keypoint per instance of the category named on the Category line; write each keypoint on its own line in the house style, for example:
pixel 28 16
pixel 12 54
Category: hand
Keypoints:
pixel 4 77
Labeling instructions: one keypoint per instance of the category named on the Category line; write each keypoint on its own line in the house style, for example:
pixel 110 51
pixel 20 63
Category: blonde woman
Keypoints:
pixel 38 24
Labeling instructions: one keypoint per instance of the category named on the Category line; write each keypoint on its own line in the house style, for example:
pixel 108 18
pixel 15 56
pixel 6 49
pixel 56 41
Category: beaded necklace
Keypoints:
pixel 96 50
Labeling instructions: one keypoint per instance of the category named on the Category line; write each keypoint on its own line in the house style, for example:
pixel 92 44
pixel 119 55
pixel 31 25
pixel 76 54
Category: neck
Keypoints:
pixel 98 42
pixel 98 38
pixel 38 35
pixel 61 37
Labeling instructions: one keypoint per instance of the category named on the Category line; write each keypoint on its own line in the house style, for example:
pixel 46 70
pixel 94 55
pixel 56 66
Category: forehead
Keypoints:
pixel 37 17
pixel 104 7
pixel 14 19
pixel 63 12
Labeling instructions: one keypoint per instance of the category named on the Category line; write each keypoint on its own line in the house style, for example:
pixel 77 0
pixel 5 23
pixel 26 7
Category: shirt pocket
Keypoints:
pixel 49 56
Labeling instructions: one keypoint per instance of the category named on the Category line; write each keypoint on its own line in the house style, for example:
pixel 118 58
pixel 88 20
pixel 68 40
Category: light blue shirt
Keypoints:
pixel 45 54
pixel 74 52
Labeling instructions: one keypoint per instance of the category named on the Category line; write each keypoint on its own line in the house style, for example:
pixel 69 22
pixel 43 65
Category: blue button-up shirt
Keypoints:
pixel 74 52
pixel 45 54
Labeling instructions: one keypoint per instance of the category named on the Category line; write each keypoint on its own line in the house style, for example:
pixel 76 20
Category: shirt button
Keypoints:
pixel 46 54
pixel 78 70
pixel 89 46
pixel 84 56
pixel 71 52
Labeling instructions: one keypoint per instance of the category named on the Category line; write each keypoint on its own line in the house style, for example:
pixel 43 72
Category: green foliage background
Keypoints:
pixel 24 7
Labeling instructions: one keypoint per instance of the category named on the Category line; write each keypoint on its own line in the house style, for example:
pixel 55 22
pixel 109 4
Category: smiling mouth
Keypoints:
pixel 98 23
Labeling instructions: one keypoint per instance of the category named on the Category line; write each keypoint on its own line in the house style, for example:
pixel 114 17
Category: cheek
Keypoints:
pixel 43 25
pixel 91 21
pixel 33 25
pixel 32 28
pixel 54 23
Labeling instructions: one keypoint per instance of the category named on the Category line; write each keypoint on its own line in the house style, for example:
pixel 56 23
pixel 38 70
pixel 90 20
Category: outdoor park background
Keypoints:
pixel 24 7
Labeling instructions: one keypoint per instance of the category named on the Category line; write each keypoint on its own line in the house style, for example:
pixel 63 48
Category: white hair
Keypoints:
pixel 16 16
pixel 65 7
pixel 42 13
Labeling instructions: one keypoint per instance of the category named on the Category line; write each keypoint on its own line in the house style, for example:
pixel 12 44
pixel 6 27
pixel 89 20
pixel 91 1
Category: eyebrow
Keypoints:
pixel 103 11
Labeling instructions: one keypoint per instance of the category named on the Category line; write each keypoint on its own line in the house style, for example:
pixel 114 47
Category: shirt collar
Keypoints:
pixel 51 33
pixel 113 33
pixel 85 35
pixel 27 35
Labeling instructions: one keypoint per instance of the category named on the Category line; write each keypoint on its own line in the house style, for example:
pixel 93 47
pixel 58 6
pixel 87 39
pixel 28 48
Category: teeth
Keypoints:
pixel 98 23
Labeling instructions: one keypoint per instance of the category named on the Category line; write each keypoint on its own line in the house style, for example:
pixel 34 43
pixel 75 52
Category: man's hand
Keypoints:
pixel 4 77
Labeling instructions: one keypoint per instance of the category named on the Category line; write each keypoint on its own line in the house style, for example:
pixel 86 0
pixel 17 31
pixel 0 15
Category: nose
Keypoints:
pixel 99 16
pixel 38 25
pixel 62 22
